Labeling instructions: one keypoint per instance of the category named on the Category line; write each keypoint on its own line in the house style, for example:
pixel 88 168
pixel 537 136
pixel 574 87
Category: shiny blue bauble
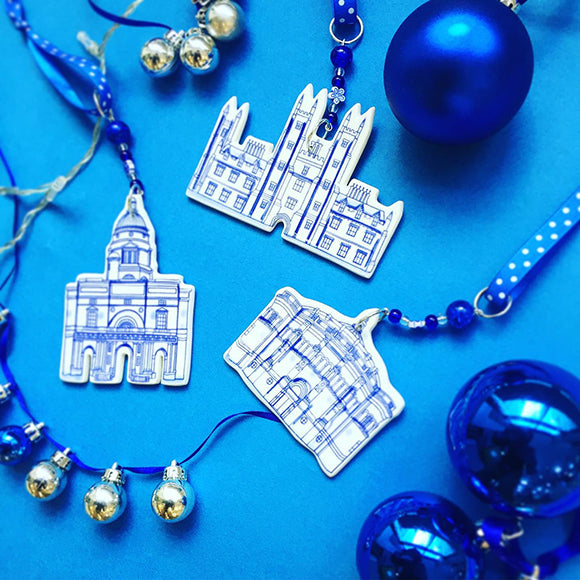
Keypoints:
pixel 421 536
pixel 513 434
pixel 15 446
pixel 457 71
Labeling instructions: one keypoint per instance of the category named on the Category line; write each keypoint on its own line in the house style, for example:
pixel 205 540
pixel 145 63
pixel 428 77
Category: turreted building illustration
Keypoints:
pixel 303 182
pixel 131 312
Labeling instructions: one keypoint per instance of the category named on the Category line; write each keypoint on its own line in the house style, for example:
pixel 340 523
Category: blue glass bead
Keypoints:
pixel 512 434
pixel 395 316
pixel 118 133
pixel 460 314
pixel 15 446
pixel 431 322
pixel 332 118
pixel 341 56
pixel 126 155
pixel 457 71
pixel 418 535
pixel 338 82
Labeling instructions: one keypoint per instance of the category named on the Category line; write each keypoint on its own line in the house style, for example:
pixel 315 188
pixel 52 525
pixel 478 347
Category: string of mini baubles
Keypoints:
pixel 457 71
pixel 173 499
pixel 217 20
pixel 512 435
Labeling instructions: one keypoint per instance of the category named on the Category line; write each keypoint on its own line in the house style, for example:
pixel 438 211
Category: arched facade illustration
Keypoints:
pixel 130 312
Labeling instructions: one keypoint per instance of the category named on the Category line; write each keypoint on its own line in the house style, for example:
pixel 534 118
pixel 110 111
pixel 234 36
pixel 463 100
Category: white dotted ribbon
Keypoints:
pixel 511 280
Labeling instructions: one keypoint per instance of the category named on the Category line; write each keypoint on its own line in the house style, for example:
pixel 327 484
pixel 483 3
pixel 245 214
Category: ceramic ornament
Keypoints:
pixel 304 182
pixel 131 312
pixel 320 373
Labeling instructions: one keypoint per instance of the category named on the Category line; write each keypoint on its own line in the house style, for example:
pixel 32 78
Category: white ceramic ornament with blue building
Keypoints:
pixel 131 316
pixel 320 373
pixel 304 182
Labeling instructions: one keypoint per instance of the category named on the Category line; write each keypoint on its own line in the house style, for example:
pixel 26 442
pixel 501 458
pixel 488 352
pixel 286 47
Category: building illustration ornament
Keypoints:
pixel 304 182
pixel 320 373
pixel 129 316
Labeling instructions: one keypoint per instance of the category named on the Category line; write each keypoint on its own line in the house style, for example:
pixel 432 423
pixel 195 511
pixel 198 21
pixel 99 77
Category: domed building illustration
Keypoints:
pixel 129 316
pixel 320 373
pixel 303 182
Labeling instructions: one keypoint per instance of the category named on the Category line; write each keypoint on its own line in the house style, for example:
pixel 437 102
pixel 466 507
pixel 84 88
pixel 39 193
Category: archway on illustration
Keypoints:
pixel 127 320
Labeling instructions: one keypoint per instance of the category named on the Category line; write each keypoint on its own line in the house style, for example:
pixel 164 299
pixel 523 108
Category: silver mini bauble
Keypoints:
pixel 198 52
pixel 225 20
pixel 174 498
pixel 5 393
pixel 47 479
pixel 159 55
pixel 106 501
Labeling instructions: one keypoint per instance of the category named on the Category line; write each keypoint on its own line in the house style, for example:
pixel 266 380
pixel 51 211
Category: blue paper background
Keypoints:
pixel 265 508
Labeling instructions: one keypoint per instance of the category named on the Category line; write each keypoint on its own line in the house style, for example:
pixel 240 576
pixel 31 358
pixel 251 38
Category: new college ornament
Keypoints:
pixel 131 312
pixel 303 182
pixel 320 373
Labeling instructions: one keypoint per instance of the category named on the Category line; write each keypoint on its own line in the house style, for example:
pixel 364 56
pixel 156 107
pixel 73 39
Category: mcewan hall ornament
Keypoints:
pixel 131 315
pixel 303 182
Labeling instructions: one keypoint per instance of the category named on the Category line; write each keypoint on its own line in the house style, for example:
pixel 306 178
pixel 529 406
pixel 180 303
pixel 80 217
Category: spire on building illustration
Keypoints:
pixel 131 253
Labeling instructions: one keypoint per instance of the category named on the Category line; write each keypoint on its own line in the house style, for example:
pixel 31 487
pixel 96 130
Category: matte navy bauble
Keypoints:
pixel 457 71
pixel 421 536
pixel 513 434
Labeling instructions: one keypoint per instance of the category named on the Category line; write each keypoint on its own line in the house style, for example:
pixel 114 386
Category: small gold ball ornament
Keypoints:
pixel 106 501
pixel 47 479
pixel 174 498
pixel 198 52
pixel 225 20
pixel 159 55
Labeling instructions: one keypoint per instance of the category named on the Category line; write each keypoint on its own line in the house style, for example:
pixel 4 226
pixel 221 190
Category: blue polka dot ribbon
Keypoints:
pixel 512 279
pixel 63 69
pixel 344 11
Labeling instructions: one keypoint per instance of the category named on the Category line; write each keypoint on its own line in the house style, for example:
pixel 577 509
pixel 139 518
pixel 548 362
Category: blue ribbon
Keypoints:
pixel 63 69
pixel 16 255
pixel 10 378
pixel 344 11
pixel 515 275
pixel 126 21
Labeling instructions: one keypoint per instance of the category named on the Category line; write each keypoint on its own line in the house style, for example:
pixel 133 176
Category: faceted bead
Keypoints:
pixel 395 316
pixel 126 155
pixel 460 314
pixel 332 118
pixel 118 132
pixel 431 322
pixel 338 82
pixel 341 56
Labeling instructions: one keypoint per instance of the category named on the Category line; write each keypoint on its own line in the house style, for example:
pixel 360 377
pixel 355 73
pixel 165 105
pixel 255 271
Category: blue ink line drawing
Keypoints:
pixel 302 182
pixel 320 373
pixel 130 313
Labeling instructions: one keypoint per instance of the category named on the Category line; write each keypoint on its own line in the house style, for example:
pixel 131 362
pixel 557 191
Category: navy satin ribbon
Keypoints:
pixel 515 275
pixel 16 261
pixel 10 378
pixel 344 11
pixel 510 552
pixel 126 21
pixel 63 69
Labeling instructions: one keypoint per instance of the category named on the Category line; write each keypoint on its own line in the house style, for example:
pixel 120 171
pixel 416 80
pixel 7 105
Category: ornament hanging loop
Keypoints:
pixel 535 575
pixel 344 41
pixel 382 313
pixel 479 312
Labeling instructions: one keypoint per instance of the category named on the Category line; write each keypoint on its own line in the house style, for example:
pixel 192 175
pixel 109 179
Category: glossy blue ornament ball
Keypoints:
pixel 15 446
pixel 421 536
pixel 513 435
pixel 457 71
